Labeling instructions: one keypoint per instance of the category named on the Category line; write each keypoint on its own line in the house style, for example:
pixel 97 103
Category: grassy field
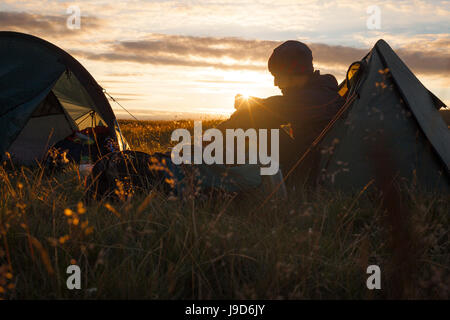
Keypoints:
pixel 315 245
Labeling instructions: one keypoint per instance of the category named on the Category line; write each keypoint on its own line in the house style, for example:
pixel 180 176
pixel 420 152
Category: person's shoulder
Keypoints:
pixel 328 80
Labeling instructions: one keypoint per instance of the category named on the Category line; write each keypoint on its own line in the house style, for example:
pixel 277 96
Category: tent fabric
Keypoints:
pixel 37 136
pixel 393 122
pixel 13 121
pixel 419 101
pixel 48 124
pixel 445 113
pixel 74 97
pixel 25 71
pixel 31 69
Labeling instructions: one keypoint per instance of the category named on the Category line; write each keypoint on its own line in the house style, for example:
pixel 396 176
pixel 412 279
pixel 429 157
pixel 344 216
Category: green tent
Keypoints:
pixel 391 125
pixel 45 95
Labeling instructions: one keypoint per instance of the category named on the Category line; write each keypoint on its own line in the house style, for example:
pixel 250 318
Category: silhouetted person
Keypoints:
pixel 308 103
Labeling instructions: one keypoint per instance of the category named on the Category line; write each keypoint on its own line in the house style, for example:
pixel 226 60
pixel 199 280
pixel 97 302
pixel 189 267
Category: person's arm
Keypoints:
pixel 253 113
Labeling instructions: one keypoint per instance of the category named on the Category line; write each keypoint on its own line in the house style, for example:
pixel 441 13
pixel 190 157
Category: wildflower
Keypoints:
pixel 21 206
pixel 63 239
pixel 88 231
pixel 80 208
pixel 171 182
pixel 112 209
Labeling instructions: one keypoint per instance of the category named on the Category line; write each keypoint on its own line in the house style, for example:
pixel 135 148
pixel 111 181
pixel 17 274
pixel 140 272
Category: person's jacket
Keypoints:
pixel 300 114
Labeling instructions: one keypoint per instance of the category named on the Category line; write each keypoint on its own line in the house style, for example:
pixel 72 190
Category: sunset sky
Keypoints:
pixel 162 59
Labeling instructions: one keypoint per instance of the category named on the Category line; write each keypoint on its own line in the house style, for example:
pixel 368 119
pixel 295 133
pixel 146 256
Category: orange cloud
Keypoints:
pixel 48 25
pixel 242 54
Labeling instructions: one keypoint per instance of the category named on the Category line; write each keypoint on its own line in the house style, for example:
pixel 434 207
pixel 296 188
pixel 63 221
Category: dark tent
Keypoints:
pixel 45 95
pixel 391 126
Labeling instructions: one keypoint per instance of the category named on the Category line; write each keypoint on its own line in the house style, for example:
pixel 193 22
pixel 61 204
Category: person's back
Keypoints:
pixel 308 103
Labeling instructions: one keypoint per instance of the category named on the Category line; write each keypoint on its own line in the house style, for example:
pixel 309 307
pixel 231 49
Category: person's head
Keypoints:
pixel 291 65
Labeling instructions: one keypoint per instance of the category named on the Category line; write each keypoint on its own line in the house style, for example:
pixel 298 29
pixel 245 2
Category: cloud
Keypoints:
pixel 242 54
pixel 48 25
pixel 223 81
pixel 125 74
pixel 209 47
pixel 179 61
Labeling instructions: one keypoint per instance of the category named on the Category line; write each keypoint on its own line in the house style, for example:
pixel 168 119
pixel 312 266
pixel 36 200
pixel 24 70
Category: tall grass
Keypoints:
pixel 151 246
